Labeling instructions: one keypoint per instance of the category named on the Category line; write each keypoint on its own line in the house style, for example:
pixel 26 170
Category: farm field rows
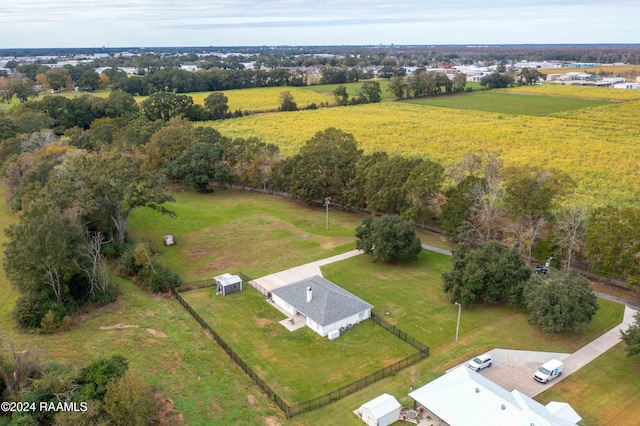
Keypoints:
pixel 583 92
pixel 508 103
pixel 595 155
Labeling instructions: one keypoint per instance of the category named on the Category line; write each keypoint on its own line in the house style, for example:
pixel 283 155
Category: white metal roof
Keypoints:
pixel 381 405
pixel 463 397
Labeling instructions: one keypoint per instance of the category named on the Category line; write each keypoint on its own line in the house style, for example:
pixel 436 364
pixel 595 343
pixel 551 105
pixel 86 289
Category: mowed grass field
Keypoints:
pixel 163 344
pixel 167 347
pixel 606 392
pixel 508 103
pixel 231 231
pixel 298 365
pixel 602 159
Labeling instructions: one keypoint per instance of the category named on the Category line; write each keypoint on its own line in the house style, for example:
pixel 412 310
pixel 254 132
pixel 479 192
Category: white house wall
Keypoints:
pixel 353 319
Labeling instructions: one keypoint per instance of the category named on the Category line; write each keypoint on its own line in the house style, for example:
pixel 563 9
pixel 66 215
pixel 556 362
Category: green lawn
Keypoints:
pixel 230 231
pixel 604 392
pixel 353 89
pixel 509 103
pixel 298 365
pixel 187 367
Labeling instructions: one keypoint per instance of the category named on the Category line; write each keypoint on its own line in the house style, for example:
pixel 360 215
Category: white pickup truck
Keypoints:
pixel 549 371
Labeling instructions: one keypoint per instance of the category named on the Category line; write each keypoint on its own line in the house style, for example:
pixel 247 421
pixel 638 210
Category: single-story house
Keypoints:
pixel 463 397
pixel 227 284
pixel 381 411
pixel 326 306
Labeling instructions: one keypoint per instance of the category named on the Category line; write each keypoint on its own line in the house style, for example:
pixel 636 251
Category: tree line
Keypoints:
pixel 77 167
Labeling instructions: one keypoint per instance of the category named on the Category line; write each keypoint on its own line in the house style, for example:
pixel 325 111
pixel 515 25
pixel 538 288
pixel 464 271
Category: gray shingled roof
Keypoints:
pixel 329 303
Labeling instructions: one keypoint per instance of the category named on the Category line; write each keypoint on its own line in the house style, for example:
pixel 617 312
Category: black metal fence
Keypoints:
pixel 422 347
pixel 253 284
pixel 195 285
pixel 234 357
pixel 315 403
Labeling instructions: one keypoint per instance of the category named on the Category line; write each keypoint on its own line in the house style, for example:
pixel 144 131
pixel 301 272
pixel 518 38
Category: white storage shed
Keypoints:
pixel 227 284
pixel 381 411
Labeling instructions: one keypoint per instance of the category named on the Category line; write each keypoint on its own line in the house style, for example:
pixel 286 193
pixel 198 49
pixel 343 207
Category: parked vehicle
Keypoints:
pixel 549 371
pixel 480 362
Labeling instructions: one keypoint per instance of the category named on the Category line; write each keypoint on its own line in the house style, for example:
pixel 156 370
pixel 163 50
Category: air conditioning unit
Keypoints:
pixel 334 334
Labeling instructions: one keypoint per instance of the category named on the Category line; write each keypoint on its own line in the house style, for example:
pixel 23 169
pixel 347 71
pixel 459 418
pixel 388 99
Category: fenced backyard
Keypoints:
pixel 263 380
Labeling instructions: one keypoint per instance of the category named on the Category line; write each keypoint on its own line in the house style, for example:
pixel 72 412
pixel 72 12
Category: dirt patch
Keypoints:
pixel 167 414
pixel 251 400
pixel 119 327
pixel 90 311
pixel 271 421
pixel 157 333
pixel 262 322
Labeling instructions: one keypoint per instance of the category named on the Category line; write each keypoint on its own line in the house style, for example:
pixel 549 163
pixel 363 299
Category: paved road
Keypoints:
pixel 436 249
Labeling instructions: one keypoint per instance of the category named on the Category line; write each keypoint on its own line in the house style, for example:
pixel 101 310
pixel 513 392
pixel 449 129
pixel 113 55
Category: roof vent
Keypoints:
pixel 309 294
pixel 504 407
pixel 477 390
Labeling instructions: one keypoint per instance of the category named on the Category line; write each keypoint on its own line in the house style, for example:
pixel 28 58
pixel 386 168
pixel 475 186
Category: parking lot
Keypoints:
pixel 514 369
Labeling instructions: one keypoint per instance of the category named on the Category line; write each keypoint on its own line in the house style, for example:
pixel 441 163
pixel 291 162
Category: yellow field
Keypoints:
pixel 260 99
pixel 585 92
pixel 621 113
pixel 602 158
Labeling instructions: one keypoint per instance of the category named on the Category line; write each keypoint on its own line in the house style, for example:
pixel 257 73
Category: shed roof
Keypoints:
pixel 381 405
pixel 483 402
pixel 227 279
pixel 329 303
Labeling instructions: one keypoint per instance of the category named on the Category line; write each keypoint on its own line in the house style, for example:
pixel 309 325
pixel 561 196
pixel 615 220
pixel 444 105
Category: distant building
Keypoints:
pixel 583 65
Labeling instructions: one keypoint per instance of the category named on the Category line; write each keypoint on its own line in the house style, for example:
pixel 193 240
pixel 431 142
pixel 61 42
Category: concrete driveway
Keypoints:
pixel 289 276
pixel 513 369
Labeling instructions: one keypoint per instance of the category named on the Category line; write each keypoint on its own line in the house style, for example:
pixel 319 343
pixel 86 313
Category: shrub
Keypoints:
pixel 158 278
pixel 130 401
pixel 95 377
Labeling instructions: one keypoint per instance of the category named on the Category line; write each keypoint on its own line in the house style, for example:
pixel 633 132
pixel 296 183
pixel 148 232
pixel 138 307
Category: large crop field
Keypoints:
pixel 509 103
pixel 582 92
pixel 602 159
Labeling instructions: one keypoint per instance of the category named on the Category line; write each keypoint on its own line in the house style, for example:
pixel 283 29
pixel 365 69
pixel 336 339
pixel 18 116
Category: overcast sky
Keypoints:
pixel 116 23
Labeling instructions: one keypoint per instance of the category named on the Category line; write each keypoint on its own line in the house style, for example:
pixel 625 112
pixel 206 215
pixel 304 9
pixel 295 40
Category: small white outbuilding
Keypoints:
pixel 381 411
pixel 227 284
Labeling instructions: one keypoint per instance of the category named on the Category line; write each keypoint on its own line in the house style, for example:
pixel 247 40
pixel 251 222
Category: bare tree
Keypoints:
pixel 38 140
pixel 95 268
pixel 52 277
pixel 486 193
pixel 570 222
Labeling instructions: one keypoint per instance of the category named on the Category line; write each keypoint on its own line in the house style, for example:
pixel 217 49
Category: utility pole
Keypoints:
pixel 458 326
pixel 327 201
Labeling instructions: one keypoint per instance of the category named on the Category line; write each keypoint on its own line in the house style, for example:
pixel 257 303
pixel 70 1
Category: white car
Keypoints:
pixel 480 362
